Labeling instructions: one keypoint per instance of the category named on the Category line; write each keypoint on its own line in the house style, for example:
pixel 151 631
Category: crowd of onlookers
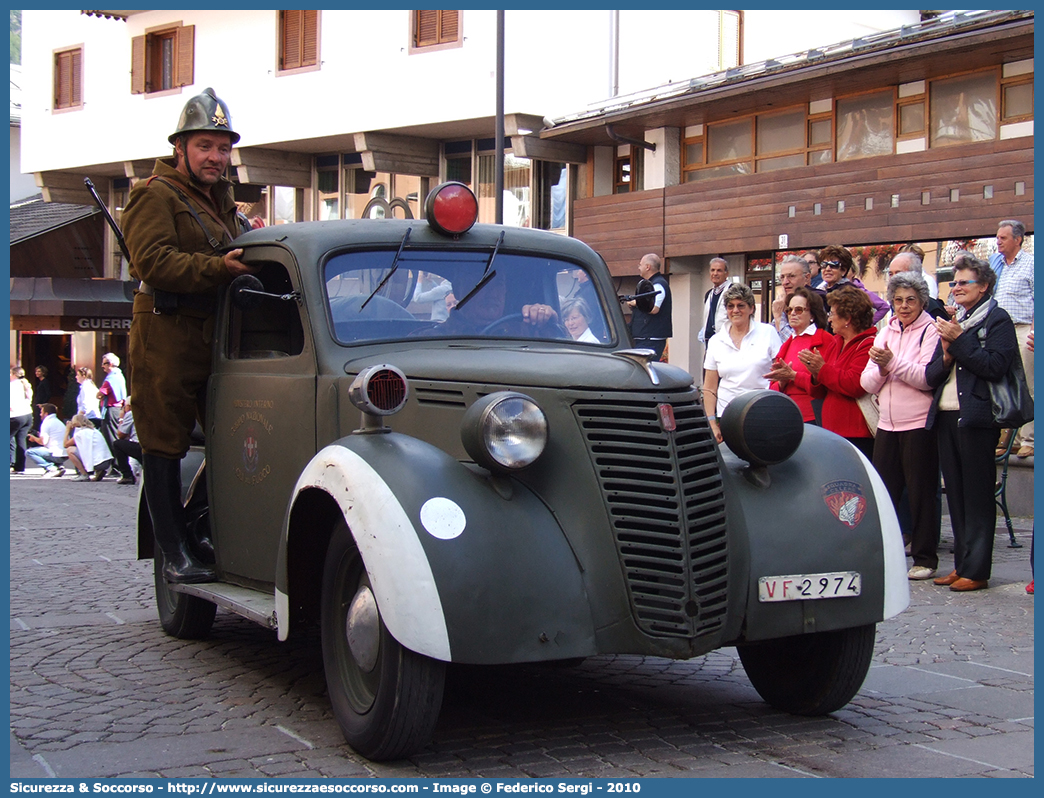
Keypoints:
pixel 97 438
pixel 906 379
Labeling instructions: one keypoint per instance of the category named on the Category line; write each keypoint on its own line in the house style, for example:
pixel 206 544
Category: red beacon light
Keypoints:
pixel 451 208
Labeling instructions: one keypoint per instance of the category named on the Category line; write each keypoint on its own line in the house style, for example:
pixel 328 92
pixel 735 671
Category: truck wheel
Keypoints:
pixel 386 698
pixel 181 616
pixel 811 674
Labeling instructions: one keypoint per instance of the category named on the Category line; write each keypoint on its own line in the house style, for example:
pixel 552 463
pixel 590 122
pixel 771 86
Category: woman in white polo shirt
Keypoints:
pixel 738 356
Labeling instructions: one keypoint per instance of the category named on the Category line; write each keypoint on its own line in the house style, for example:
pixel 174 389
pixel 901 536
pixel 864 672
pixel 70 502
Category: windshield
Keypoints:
pixel 521 296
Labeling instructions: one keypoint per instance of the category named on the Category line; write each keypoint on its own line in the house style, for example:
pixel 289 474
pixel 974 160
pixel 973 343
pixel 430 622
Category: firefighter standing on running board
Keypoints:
pixel 175 224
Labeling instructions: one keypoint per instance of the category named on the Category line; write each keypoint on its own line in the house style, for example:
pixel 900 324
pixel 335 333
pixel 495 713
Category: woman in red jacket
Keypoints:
pixel 837 371
pixel 807 317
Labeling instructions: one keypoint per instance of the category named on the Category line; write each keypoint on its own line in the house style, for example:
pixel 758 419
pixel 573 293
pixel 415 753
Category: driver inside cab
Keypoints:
pixel 489 310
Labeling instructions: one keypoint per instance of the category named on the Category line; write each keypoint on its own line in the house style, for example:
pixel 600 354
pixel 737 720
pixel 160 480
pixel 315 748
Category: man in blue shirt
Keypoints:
pixel 1014 293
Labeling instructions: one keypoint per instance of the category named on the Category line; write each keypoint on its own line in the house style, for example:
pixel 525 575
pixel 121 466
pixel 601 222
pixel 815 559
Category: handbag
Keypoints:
pixel 871 411
pixel 1010 397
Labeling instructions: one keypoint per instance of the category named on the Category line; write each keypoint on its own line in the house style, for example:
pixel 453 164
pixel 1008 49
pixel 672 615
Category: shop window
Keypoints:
pixel 163 59
pixel 865 125
pixel 781 141
pixel 458 161
pixel 964 109
pixel 328 169
pixel 298 40
pixel 1017 101
pixel 287 205
pixel 622 174
pixel 68 78
pixel 548 210
pixel 517 181
pixel 911 119
pixel 761 143
pixel 434 30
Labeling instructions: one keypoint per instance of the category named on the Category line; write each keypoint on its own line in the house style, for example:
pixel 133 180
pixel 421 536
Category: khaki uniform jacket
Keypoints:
pixel 169 251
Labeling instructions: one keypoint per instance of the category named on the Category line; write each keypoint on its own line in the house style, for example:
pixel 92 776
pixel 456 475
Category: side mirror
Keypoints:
pixel 247 292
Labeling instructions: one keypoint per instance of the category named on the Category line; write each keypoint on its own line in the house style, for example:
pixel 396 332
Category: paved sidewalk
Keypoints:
pixel 98 690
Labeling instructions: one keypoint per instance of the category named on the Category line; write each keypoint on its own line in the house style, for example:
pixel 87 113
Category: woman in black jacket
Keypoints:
pixel 974 350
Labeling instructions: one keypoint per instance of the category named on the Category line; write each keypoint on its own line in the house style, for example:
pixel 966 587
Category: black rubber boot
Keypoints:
pixel 162 481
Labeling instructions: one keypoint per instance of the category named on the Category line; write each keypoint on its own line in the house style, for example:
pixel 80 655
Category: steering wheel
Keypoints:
pixel 502 320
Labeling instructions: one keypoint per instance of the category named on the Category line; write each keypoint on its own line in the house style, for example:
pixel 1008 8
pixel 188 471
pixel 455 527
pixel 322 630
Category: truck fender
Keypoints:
pixel 897 585
pixel 839 518
pixel 394 558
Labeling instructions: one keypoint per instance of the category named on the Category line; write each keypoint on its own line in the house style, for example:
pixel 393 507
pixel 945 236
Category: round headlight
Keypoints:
pixel 504 431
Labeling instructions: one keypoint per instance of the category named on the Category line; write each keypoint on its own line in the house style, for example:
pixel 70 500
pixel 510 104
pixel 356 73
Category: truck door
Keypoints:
pixel 260 426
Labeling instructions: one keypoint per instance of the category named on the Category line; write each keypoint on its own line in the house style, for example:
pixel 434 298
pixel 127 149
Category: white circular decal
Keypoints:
pixel 443 518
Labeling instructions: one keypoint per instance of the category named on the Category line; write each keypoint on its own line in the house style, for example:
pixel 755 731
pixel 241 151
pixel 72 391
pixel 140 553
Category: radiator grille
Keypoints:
pixel 663 492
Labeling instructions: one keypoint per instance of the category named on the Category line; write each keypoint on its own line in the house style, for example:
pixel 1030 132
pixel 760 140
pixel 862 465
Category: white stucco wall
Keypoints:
pixel 22 186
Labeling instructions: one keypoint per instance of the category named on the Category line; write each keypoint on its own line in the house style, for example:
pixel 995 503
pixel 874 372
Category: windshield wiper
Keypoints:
pixel 391 271
pixel 487 275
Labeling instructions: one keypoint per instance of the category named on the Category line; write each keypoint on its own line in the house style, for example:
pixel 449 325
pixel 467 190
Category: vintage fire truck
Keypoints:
pixel 411 443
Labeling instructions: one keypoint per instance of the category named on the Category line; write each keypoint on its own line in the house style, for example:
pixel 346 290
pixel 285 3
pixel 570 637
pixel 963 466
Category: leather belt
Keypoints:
pixel 172 302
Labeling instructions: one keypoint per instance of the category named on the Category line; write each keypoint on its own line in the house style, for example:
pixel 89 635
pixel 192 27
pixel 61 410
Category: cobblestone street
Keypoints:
pixel 98 690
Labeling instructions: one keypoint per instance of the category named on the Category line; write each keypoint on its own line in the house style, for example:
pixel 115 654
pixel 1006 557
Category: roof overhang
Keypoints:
pixel 121 15
pixel 818 74
pixel 67 296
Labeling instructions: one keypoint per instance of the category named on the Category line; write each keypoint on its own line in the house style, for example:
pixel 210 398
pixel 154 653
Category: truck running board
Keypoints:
pixel 251 604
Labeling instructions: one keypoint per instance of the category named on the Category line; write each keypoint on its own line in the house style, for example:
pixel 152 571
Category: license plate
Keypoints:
pixel 802 587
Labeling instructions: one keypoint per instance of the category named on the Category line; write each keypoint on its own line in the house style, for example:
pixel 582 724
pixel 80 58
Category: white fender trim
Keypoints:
pixel 399 572
pixel 896 583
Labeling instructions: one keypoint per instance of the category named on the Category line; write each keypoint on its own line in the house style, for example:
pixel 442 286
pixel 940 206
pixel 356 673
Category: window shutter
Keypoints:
pixel 68 79
pixel 61 81
pixel 427 31
pixel 75 78
pixel 310 39
pixel 449 28
pixel 138 65
pixel 291 35
pixel 185 43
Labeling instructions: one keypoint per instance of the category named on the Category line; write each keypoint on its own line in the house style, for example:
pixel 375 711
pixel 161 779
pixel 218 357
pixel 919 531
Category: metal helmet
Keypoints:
pixel 205 112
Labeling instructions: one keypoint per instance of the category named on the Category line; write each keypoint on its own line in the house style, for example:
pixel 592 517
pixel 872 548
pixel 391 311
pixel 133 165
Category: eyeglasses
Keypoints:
pixel 962 283
pixel 796 310
pixel 830 264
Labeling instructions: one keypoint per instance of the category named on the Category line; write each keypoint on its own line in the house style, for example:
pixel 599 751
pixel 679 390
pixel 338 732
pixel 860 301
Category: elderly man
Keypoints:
pixel 713 308
pixel 1014 293
pixel 794 273
pixel 651 330
pixel 908 261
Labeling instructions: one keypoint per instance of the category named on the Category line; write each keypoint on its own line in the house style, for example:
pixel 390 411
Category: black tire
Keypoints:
pixel 812 674
pixel 181 616
pixel 387 702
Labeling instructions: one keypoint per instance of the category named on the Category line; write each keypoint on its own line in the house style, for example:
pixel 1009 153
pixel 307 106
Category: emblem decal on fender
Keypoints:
pixel 846 501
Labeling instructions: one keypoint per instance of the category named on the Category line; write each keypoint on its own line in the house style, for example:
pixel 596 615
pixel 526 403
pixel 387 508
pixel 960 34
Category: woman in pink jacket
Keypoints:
pixel 905 453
